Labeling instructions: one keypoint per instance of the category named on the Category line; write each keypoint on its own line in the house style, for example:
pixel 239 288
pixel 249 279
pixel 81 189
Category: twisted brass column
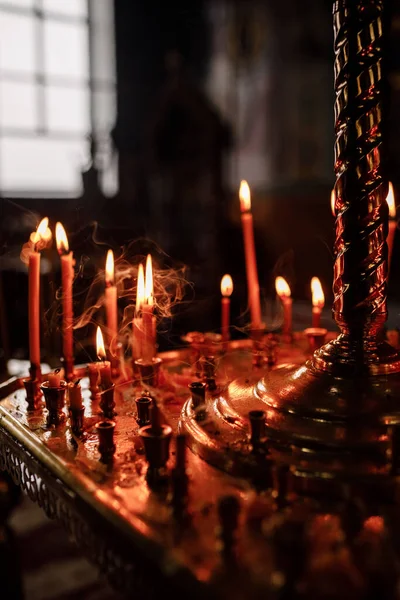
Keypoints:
pixel 360 272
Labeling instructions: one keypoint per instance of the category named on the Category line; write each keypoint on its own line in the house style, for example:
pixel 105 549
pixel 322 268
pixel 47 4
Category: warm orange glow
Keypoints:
pixel 148 282
pixel 375 524
pixel 61 239
pixel 110 268
pixel 333 200
pixel 42 232
pixel 140 288
pixel 244 196
pixel 318 298
pixel 282 288
pixel 226 286
pixel 100 349
pixel 390 202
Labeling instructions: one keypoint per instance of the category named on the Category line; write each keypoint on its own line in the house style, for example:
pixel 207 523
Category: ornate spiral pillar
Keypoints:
pixel 360 271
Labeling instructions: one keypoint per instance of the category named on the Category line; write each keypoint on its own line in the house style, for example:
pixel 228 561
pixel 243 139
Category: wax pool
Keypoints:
pixel 54 379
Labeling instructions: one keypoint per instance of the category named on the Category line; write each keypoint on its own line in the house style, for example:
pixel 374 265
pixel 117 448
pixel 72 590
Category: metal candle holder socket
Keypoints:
pixel 33 393
pixel 257 427
pixel 55 402
pixel 143 405
pixel 198 391
pixel 156 446
pixel 316 337
pixel 209 371
pixel 107 403
pixel 76 416
pixel 105 431
pixel 35 372
pixel 148 371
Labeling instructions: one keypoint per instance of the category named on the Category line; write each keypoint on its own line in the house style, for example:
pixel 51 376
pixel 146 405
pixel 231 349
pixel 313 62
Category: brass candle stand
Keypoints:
pixel 333 417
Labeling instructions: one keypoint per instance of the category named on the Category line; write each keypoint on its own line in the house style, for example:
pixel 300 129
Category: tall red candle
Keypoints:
pixel 137 325
pixel 284 293
pixel 110 302
pixel 318 301
pixel 149 341
pixel 253 288
pixel 67 278
pixel 34 294
pixel 392 223
pixel 226 291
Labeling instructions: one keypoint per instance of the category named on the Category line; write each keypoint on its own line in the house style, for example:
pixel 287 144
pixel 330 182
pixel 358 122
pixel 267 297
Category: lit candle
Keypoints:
pixel 392 223
pixel 283 291
pixel 226 291
pixel 253 288
pixel 110 301
pixel 105 365
pixel 75 395
pixel 54 378
pixel 333 202
pixel 149 341
pixel 67 277
pixel 318 301
pixel 34 296
pixel 137 324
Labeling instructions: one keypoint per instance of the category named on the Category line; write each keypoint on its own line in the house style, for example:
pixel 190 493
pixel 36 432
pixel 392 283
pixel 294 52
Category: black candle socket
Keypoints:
pixel 105 431
pixel 316 337
pixel 209 371
pixel 55 401
pixel 180 478
pixel 257 427
pixel 143 404
pixel 228 513
pixel 148 372
pixel 107 403
pixel 198 391
pixel 76 416
pixel 33 393
pixel 156 439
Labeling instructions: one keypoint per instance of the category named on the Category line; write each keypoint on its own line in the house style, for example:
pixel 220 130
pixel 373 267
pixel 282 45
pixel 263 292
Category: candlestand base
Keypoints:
pixel 335 417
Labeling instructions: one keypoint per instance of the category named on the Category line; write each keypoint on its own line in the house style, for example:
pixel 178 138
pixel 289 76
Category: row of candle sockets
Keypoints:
pixel 144 324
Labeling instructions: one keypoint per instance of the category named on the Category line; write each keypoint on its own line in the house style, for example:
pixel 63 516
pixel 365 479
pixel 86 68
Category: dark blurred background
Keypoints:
pixel 133 120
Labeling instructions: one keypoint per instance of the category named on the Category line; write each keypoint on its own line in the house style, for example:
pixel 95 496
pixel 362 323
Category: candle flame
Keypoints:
pixel 100 349
pixel 140 294
pixel 42 232
pixel 110 268
pixel 61 239
pixel 226 286
pixel 318 298
pixel 282 288
pixel 244 196
pixel 333 200
pixel 390 201
pixel 148 285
